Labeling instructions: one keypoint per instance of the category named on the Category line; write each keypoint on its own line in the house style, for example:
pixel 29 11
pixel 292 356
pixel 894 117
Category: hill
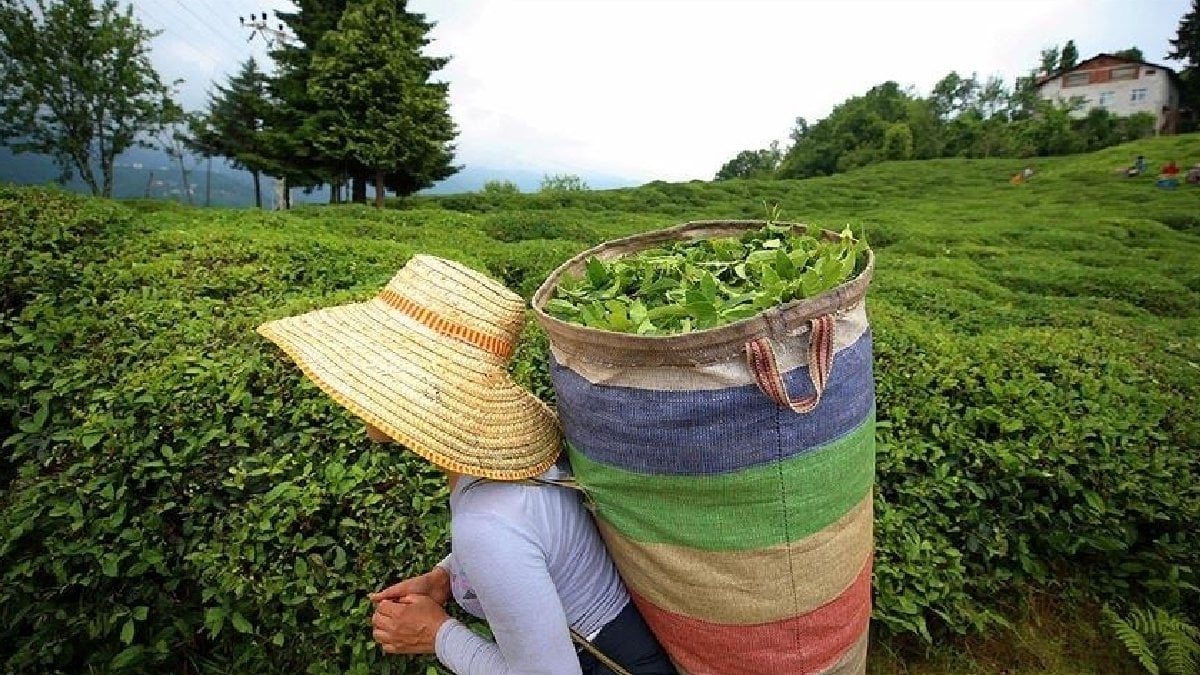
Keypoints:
pixel 141 172
pixel 194 504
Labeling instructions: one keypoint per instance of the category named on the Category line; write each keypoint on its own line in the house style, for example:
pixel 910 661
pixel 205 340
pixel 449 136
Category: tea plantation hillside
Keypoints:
pixel 174 497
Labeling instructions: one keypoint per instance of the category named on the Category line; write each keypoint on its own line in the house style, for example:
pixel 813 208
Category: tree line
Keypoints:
pixel 351 102
pixel 964 117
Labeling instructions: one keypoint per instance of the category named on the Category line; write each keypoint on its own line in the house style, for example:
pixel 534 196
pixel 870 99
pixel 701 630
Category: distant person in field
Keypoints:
pixel 423 364
pixel 1018 178
pixel 1138 168
pixel 1027 173
pixel 1193 175
pixel 1170 170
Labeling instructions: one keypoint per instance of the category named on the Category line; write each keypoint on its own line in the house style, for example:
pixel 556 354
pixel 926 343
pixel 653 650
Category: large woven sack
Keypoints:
pixel 731 471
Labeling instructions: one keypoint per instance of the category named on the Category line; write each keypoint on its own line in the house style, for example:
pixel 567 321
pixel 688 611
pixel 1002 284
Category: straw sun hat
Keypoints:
pixel 424 361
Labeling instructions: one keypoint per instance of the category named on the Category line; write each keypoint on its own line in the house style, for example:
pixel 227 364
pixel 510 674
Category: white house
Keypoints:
pixel 1120 85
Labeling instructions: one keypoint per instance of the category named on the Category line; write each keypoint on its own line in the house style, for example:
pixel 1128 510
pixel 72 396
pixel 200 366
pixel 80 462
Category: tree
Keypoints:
pixel 752 163
pixel 562 183
pixel 1185 46
pixel 234 126
pixel 1133 54
pixel 500 188
pixel 379 109
pixel 76 83
pixel 1050 60
pixel 1069 57
pixel 898 142
pixel 288 133
pixel 953 94
pixel 855 133
pixel 176 143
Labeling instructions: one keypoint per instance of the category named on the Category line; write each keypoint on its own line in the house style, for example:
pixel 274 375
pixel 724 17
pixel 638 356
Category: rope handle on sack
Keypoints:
pixel 760 357
pixel 569 483
pixel 597 654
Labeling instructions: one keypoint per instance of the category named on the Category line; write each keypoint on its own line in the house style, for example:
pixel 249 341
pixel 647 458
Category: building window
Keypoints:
pixel 1107 98
pixel 1150 72
pixel 1075 79
pixel 1125 73
pixel 1138 95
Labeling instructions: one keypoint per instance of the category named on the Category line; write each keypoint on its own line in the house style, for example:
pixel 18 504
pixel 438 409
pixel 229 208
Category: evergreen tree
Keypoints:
pixel 234 125
pixel 1050 61
pixel 296 116
pixel 1185 46
pixel 76 83
pixel 1069 57
pixel 379 109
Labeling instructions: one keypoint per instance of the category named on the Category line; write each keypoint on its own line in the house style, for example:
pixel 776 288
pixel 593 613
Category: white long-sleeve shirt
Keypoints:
pixel 528 560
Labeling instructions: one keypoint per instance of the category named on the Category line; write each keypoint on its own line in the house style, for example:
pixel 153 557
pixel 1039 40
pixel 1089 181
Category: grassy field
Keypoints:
pixel 1038 363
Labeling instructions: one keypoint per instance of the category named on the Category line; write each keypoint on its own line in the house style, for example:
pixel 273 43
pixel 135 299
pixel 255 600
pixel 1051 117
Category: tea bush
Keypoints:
pixel 177 498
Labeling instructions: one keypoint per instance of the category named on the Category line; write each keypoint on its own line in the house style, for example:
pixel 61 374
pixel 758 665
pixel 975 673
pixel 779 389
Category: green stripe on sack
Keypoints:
pixel 761 506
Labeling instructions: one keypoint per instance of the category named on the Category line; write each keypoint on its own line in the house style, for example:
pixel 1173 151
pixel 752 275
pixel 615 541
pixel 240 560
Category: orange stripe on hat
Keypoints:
pixel 488 343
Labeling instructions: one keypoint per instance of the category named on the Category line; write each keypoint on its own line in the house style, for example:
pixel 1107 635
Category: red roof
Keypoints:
pixel 1083 65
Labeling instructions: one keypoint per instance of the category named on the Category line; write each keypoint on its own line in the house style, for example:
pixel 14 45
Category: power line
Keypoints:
pixel 208 25
pixel 164 27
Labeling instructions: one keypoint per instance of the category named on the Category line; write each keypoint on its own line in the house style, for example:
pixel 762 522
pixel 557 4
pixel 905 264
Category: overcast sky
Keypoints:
pixel 671 89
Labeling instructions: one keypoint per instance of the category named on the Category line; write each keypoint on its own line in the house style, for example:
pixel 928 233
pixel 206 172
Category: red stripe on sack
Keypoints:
pixel 488 343
pixel 805 645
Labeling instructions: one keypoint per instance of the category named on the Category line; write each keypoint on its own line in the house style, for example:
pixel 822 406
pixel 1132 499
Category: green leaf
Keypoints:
pixel 637 312
pixel 127 657
pixel 35 423
pixel 597 272
pixel 784 265
pixel 240 623
pixel 214 620
pixel 127 632
pixel 89 441
pixel 708 287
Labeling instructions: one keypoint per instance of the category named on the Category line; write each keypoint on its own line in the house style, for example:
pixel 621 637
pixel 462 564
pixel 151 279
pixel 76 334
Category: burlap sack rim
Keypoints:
pixel 705 346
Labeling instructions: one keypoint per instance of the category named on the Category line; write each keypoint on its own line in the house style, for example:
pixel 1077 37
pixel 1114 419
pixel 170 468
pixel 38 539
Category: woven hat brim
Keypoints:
pixel 449 402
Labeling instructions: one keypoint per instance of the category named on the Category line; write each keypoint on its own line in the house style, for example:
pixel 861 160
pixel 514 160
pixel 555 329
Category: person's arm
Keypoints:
pixel 435 583
pixel 507 569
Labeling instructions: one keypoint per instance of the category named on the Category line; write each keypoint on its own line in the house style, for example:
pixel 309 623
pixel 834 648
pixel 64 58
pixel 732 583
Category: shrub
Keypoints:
pixel 177 498
pixel 510 226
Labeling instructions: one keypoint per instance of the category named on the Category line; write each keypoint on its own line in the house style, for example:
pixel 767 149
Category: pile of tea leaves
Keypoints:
pixel 693 285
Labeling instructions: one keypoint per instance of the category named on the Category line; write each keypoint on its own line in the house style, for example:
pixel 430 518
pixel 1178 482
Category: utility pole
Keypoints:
pixel 208 183
pixel 258 26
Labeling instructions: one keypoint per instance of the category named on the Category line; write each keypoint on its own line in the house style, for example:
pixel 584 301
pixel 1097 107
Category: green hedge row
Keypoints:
pixel 177 498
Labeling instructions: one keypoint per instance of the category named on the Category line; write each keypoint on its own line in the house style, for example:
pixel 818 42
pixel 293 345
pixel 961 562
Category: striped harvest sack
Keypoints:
pixel 731 471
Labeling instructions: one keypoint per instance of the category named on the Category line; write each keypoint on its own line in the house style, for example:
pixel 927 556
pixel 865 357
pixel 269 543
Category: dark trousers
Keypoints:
pixel 628 641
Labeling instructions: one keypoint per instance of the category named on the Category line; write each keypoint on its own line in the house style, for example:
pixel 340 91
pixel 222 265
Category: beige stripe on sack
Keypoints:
pixel 748 587
pixel 790 354
pixel 855 660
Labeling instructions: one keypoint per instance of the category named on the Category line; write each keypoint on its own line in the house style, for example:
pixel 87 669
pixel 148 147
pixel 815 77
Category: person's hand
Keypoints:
pixel 408 625
pixel 435 584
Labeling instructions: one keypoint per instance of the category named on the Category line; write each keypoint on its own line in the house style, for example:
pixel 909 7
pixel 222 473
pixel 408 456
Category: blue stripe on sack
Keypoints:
pixel 711 431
